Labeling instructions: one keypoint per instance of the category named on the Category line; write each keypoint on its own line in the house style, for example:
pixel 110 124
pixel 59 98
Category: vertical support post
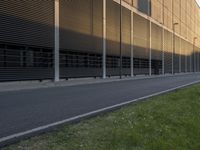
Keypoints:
pixel 173 39
pixel 197 61
pixel 173 50
pixel 132 63
pixel 149 12
pixel 163 52
pixel 186 66
pixel 163 40
pixel 104 40
pixel 193 56
pixel 120 40
pixel 56 44
pixel 150 48
pixel 191 68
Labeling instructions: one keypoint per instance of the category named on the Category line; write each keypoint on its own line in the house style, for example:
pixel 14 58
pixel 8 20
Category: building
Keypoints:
pixel 52 39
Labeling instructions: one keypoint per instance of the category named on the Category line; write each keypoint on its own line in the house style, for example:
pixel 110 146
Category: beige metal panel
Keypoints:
pixel 156 10
pixel 168 51
pixel 167 18
pixel 126 34
pixel 156 42
pixel 82 29
pixel 135 3
pixel 130 2
pixel 112 27
pixel 141 36
pixel 176 8
pixel 168 4
pixel 185 12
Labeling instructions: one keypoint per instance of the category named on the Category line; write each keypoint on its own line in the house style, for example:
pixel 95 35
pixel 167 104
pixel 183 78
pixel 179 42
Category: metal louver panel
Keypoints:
pixel 113 39
pixel 176 55
pixel 141 44
pixel 27 22
pixel 183 56
pixel 26 39
pixel 81 38
pixel 168 51
pixel 156 51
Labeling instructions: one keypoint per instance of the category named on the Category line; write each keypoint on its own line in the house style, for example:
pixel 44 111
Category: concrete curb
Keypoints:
pixel 31 85
pixel 51 127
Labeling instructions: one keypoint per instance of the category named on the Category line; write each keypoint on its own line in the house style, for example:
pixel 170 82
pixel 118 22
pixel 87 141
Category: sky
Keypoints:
pixel 198 1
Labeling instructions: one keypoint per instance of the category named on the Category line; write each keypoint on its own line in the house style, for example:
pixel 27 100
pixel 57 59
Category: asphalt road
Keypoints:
pixel 28 109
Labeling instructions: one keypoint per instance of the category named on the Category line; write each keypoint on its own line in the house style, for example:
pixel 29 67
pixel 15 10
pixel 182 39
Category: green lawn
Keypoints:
pixel 167 122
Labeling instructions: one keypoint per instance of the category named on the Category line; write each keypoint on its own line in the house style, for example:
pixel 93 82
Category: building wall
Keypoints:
pixel 27 38
pixel 184 12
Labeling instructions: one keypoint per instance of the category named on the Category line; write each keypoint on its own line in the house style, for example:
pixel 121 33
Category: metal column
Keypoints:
pixel 163 40
pixel 132 65
pixel 173 50
pixel 56 44
pixel 150 48
pixel 149 12
pixel 163 52
pixel 104 39
pixel 180 56
pixel 120 52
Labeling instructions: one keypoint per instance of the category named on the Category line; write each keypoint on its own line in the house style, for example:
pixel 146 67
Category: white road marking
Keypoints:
pixel 17 135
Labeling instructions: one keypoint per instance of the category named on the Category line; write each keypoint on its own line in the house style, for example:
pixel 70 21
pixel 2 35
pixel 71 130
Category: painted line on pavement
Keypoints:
pixel 45 127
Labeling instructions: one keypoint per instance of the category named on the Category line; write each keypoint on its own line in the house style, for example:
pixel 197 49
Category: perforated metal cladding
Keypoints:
pixel 27 22
pixel 185 49
pixel 141 37
pixel 126 41
pixel 193 58
pixel 113 38
pixel 189 57
pixel 126 34
pixel 112 27
pixel 183 56
pixel 81 38
pixel 141 44
pixel 26 39
pixel 81 25
pixel 168 51
pixel 197 59
pixel 156 42
pixel 177 55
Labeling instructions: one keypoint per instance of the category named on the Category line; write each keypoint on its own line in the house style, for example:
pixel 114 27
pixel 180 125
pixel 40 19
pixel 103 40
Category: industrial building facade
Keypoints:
pixel 53 39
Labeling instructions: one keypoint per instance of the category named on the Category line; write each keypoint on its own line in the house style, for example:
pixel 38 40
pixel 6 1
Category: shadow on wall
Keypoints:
pixel 70 41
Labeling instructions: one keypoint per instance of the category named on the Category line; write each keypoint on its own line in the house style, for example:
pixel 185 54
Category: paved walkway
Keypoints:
pixel 21 85
pixel 22 111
